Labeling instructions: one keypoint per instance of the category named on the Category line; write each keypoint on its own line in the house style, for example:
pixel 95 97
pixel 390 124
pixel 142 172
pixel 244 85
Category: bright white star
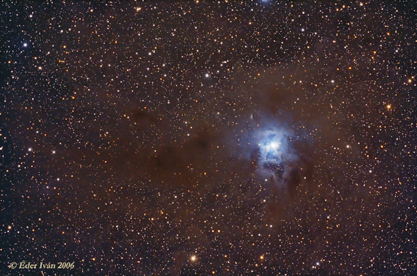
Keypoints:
pixel 274 145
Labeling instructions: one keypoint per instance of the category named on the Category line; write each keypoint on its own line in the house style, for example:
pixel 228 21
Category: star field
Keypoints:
pixel 209 137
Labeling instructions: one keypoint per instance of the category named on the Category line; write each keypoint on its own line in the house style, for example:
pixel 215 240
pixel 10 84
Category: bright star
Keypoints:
pixel 274 145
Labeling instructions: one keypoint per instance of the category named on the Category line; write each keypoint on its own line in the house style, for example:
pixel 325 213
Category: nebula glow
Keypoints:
pixel 270 147
pixel 274 149
pixel 268 143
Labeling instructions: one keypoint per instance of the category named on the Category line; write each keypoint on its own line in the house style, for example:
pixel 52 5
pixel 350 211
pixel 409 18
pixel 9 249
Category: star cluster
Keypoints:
pixel 209 137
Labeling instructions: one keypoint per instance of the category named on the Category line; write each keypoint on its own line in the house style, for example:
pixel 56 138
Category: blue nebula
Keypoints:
pixel 279 150
pixel 265 3
pixel 267 144
pixel 270 147
pixel 274 151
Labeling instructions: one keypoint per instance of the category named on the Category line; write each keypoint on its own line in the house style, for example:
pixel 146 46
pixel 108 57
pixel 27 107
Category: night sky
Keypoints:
pixel 209 137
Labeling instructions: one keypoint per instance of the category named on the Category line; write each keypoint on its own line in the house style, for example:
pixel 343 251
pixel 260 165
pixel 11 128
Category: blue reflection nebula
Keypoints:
pixel 269 144
pixel 273 148
pixel 270 148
